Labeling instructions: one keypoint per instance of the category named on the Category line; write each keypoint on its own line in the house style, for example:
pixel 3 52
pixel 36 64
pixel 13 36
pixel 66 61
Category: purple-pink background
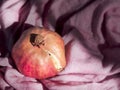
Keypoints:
pixel 90 29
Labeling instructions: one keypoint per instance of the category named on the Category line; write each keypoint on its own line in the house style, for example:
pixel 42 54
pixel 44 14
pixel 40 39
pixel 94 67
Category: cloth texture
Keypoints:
pixel 90 30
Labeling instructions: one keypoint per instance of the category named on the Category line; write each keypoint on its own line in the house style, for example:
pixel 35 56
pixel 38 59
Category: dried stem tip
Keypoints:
pixel 36 39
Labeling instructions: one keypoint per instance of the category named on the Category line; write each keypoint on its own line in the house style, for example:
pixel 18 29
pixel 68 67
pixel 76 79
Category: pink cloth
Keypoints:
pixel 90 29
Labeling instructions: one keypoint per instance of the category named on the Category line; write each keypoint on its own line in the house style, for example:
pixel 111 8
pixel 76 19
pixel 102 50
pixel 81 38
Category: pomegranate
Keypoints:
pixel 39 53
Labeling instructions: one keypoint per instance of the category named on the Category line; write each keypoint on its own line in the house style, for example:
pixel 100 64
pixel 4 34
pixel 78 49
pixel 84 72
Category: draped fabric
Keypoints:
pixel 90 30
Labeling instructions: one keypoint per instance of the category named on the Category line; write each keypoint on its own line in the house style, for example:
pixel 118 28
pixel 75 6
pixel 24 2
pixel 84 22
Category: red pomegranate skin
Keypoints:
pixel 39 53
